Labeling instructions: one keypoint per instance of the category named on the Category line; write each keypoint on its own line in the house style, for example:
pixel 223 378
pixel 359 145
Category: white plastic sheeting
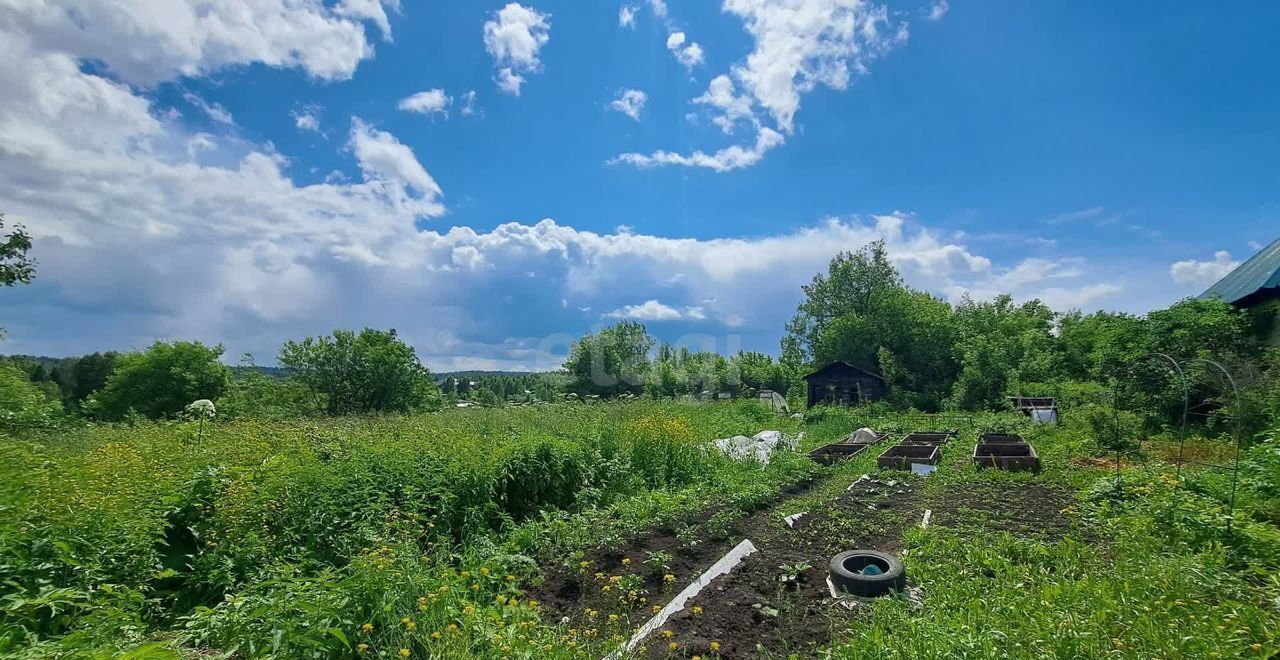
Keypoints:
pixel 864 434
pixel 759 446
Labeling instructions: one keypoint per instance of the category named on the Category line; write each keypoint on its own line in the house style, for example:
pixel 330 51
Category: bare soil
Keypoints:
pixel 1027 509
pixel 754 610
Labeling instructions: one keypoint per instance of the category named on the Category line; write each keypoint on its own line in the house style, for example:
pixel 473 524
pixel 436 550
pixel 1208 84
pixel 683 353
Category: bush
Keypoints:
pixel 663 451
pixel 161 381
pixel 23 405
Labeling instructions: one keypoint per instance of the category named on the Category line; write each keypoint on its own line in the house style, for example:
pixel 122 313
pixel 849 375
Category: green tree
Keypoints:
pixel 90 374
pixel 611 362
pixel 349 373
pixel 849 288
pixel 1001 346
pixel 860 312
pixel 253 394
pixel 23 405
pixel 161 381
pixel 16 267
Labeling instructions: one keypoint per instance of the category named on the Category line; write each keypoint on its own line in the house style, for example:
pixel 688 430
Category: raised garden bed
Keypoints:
pixel 1006 456
pixel 846 448
pixel 1000 438
pixel 836 452
pixel 900 457
pixel 928 437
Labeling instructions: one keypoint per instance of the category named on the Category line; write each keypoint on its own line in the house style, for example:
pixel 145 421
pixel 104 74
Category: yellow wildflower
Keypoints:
pixel 668 634
pixel 368 627
pixel 404 653
pixel 715 646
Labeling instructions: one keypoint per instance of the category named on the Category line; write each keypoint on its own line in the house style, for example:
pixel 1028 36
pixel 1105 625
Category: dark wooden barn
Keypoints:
pixel 843 384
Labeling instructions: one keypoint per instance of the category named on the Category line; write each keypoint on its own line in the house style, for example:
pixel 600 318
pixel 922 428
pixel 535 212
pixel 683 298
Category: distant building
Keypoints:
pixel 1255 286
pixel 843 384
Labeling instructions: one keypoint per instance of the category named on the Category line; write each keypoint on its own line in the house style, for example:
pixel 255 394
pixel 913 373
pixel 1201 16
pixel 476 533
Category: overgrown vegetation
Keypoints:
pixel 348 506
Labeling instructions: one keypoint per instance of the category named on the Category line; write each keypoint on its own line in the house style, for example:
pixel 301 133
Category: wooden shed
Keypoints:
pixel 843 384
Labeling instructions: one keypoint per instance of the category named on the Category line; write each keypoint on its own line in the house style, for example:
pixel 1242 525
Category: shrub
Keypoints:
pixel 663 451
pixel 23 405
pixel 161 381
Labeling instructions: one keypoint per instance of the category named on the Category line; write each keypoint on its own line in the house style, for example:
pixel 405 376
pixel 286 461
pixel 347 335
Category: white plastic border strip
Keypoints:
pixel 726 564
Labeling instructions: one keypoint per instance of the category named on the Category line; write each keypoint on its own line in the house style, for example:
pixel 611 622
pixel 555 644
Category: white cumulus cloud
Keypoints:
pixel 687 53
pixel 798 45
pixel 630 102
pixel 146 43
pixel 432 101
pixel 1203 274
pixel 307 119
pixel 513 37
pixel 652 310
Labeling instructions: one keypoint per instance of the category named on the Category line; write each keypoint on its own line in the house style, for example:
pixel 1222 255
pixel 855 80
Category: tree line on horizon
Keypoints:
pixel 933 355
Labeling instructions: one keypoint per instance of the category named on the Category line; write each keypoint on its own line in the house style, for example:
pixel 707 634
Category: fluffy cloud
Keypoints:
pixel 384 159
pixel 432 101
pixel 937 10
pixel 731 107
pixel 630 102
pixel 725 160
pixel 652 310
pixel 689 54
pixel 627 16
pixel 146 42
pixel 307 119
pixel 145 230
pixel 369 10
pixel 513 37
pixel 798 45
pixel 1203 274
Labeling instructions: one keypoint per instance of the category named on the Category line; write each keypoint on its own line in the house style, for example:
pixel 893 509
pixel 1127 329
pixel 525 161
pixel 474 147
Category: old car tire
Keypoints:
pixel 846 573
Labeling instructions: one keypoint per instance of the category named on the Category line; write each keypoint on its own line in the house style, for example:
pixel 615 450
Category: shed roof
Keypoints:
pixel 838 367
pixel 1257 277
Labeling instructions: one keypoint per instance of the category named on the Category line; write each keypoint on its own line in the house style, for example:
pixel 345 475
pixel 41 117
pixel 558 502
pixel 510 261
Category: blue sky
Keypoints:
pixel 257 172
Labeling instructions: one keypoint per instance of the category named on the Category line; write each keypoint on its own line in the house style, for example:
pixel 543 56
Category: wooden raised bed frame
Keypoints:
pixel 900 457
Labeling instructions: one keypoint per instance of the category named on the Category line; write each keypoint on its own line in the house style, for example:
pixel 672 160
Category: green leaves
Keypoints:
pixel 373 371
pixel 161 381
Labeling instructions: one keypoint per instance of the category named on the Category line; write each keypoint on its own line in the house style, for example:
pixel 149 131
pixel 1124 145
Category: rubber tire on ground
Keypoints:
pixel 894 579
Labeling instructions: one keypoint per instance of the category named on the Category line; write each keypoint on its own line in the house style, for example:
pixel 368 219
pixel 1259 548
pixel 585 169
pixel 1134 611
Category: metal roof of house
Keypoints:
pixel 1260 272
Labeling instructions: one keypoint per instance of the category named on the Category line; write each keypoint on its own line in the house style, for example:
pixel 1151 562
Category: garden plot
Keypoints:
pixel 776 597
pixel 1025 509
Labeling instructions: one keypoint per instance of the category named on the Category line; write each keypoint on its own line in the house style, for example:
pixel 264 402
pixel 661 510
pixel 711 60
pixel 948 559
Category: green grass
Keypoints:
pixel 284 539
